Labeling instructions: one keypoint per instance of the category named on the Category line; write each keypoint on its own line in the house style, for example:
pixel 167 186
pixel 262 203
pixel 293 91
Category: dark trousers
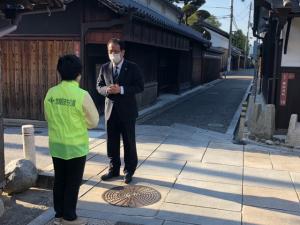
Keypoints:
pixel 67 180
pixel 115 128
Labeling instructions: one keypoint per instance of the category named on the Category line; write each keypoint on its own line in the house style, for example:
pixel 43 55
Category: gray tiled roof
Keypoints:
pixel 279 4
pixel 153 16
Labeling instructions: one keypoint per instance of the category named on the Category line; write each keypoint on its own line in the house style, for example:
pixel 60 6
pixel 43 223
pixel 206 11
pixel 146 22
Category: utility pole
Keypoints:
pixel 246 42
pixel 230 39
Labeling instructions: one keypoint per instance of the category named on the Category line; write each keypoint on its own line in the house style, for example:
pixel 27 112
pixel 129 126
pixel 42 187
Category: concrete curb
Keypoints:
pixel 43 218
pixel 236 117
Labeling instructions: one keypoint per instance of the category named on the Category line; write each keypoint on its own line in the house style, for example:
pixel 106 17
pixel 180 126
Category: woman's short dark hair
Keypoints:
pixel 69 67
pixel 117 42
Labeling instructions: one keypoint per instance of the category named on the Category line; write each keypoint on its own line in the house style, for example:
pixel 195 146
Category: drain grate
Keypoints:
pixel 133 196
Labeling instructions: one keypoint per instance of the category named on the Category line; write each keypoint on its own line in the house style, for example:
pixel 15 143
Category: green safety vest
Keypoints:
pixel 68 134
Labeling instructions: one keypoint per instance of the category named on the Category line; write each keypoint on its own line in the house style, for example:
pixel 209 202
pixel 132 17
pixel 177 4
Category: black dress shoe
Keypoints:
pixel 109 175
pixel 128 178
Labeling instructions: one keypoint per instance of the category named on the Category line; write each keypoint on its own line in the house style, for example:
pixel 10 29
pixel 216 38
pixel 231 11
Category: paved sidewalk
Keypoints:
pixel 202 178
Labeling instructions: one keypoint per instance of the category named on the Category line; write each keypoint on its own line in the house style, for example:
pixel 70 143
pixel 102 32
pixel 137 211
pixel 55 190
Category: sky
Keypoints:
pixel 221 9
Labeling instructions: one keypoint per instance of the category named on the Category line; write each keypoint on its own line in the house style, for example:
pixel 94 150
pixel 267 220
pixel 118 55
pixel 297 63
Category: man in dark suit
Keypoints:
pixel 119 81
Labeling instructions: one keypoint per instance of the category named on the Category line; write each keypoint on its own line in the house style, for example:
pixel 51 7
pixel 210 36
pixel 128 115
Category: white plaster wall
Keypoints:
pixel 156 6
pixel 292 58
pixel 218 40
pixel 172 16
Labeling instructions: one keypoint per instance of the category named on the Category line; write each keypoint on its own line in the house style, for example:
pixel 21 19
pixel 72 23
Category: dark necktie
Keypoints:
pixel 116 74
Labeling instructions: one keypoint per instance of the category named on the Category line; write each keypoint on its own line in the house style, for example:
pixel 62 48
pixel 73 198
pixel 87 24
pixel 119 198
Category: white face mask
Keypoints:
pixel 115 58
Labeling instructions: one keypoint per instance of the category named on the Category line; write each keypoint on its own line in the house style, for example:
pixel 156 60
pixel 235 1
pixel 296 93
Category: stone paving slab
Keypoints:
pixel 179 155
pixel 271 198
pixel 256 153
pixel 227 146
pixel 99 147
pixel 92 169
pixel 93 200
pixel 150 130
pixel 226 154
pixel 103 161
pixel 99 158
pixel 162 167
pixel 198 215
pixel 260 216
pixel 130 220
pixel 210 136
pixel 96 142
pixel 286 162
pixel 147 146
pixel 183 143
pixel 154 138
pixel 213 173
pixel 267 178
pixel 177 152
pixel 257 162
pixel 141 152
pixel 88 185
pixel 206 194
pixel 100 153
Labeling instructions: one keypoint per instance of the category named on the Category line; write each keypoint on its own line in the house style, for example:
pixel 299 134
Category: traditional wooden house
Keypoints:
pixel 277 24
pixel 169 52
pixel 237 59
pixel 220 41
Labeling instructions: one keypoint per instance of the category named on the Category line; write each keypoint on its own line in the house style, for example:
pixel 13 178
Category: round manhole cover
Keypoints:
pixel 133 196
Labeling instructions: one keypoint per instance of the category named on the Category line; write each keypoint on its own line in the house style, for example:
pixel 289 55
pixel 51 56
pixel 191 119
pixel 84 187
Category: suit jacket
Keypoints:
pixel 131 79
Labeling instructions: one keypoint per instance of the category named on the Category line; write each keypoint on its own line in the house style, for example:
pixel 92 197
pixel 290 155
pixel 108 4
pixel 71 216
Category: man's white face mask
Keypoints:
pixel 115 58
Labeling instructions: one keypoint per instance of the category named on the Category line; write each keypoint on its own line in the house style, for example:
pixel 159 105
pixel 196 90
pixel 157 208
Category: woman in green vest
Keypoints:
pixel 70 112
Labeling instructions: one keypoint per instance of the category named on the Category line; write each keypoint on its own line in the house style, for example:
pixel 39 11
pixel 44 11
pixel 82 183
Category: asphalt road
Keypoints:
pixel 213 109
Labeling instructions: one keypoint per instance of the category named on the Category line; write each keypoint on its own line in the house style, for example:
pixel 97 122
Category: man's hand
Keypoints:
pixel 114 89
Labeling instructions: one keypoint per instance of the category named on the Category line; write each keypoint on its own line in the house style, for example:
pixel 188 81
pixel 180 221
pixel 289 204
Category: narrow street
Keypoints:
pixel 158 85
pixel 212 109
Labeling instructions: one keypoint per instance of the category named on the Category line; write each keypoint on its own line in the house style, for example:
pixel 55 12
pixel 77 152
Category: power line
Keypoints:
pixel 235 23
pixel 225 16
pixel 215 7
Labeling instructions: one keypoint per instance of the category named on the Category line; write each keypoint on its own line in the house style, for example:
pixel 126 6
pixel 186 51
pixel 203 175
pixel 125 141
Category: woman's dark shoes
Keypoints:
pixel 109 176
